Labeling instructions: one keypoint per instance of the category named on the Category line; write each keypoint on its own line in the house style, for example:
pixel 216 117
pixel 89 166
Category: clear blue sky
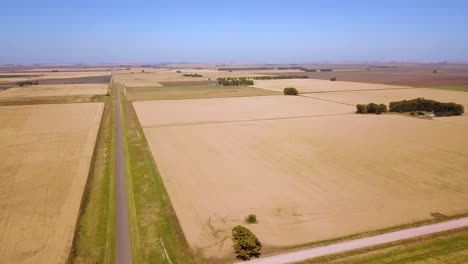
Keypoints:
pixel 151 31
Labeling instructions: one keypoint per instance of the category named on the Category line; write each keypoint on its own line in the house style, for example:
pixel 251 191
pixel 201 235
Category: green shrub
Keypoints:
pixel 251 219
pixel 290 91
pixel 371 108
pixel 246 244
pixel 361 108
pixel 412 113
pixel 333 79
pixel 420 113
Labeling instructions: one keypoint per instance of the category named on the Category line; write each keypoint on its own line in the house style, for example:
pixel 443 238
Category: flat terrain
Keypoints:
pixel 44 163
pixel 54 90
pixel 313 86
pixel 306 179
pixel 400 76
pixel 225 110
pixel 387 96
pixel 172 92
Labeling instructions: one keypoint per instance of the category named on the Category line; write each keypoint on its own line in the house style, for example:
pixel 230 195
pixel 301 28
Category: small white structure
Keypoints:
pixel 431 114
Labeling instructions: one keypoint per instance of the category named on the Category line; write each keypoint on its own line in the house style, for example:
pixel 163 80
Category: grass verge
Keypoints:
pixel 445 247
pixel 462 88
pixel 156 234
pixel 94 238
pixel 269 250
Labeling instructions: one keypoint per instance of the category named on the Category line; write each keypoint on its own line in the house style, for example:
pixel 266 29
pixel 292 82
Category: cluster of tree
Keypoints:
pixel 23 83
pixel 421 104
pixel 326 70
pixel 234 81
pixel 309 70
pixel 280 77
pixel 290 91
pixel 371 108
pixel 333 79
pixel 246 69
pixel 192 75
pixel 246 244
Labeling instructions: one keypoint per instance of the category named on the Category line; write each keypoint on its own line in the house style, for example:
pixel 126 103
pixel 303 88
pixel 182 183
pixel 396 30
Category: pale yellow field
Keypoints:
pixel 387 96
pixel 180 112
pixel 51 75
pixel 44 163
pixel 54 90
pixel 152 77
pixel 306 179
pixel 315 85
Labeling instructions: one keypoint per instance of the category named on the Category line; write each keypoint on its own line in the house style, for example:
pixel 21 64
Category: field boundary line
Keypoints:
pixel 360 243
pixel 245 120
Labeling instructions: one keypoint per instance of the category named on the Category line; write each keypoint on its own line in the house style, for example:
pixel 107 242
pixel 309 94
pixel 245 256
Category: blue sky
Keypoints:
pixel 232 31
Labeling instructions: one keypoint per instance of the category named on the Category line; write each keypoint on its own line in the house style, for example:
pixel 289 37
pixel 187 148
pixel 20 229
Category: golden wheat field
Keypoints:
pixel 309 178
pixel 54 90
pixel 44 163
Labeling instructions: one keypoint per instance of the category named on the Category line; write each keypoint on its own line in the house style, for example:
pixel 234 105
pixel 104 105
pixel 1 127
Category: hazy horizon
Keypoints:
pixel 54 32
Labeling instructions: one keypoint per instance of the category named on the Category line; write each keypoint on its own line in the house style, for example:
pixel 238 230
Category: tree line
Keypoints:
pixel 23 83
pixel 421 104
pixel 280 77
pixel 371 108
pixel 234 81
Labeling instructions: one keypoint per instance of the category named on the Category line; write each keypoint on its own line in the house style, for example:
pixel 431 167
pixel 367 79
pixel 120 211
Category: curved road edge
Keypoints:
pixel 361 243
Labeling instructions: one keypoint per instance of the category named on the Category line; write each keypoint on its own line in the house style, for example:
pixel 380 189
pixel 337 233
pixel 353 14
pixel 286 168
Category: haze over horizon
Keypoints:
pixel 235 32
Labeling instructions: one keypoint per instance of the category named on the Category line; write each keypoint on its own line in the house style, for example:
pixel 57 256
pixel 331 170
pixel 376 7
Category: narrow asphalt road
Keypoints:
pixel 123 252
pixel 360 243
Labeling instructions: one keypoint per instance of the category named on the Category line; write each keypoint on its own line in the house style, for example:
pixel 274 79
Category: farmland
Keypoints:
pixel 200 157
pixel 295 164
pixel 46 154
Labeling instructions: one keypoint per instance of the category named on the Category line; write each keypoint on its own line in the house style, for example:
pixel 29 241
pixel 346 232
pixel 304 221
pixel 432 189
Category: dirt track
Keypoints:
pixel 361 243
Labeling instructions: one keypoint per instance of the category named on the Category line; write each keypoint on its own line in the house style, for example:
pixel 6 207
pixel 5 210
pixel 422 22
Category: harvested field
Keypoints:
pixel 54 90
pixel 45 158
pixel 61 77
pixel 193 92
pixel 151 77
pixel 184 112
pixel 414 77
pixel 317 86
pixel 387 96
pixel 306 179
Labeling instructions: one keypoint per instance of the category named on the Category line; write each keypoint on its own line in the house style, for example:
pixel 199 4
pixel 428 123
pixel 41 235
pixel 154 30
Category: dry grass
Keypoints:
pixel 44 163
pixel 315 85
pixel 54 90
pixel 306 179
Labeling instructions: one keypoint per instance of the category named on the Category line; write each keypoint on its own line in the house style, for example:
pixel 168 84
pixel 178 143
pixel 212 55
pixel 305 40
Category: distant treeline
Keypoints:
pixel 192 75
pixel 371 108
pixel 23 83
pixel 280 77
pixel 246 69
pixel 234 81
pixel 421 104
pixel 275 68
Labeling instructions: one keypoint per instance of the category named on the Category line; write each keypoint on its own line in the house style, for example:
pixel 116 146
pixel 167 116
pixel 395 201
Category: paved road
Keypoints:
pixel 123 252
pixel 360 243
